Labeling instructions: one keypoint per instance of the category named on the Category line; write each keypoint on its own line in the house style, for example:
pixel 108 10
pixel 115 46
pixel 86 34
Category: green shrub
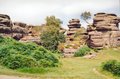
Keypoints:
pixel 46 59
pixel 18 61
pixel 14 54
pixel 51 37
pixel 82 51
pixel 112 66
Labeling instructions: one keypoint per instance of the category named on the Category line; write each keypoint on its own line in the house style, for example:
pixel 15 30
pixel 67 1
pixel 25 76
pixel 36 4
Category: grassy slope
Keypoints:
pixel 75 68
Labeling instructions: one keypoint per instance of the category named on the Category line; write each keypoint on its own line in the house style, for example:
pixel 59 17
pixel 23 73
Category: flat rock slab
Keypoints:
pixel 11 77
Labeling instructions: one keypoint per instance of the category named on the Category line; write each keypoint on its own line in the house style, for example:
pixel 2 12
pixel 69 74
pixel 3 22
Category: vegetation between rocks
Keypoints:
pixel 82 51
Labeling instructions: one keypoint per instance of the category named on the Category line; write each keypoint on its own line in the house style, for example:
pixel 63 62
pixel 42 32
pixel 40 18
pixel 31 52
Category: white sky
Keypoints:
pixel 35 11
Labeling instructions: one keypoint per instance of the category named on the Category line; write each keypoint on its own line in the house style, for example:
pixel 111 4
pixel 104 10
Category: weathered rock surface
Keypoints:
pixel 73 41
pixel 5 25
pixel 73 25
pixel 17 30
pixel 104 32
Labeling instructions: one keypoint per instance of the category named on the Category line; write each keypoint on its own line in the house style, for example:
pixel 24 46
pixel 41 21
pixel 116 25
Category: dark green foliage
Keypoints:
pixel 51 37
pixel 18 61
pixel 112 66
pixel 82 51
pixel 15 55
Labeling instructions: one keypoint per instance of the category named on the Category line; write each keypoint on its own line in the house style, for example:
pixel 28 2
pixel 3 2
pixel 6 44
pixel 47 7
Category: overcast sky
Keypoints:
pixel 35 11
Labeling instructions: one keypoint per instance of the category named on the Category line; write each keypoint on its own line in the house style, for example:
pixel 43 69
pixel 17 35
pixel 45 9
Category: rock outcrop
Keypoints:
pixel 32 36
pixel 17 30
pixel 73 25
pixel 74 37
pixel 104 32
pixel 5 25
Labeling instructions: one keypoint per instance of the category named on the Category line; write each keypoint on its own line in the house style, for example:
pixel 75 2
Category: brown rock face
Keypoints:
pixel 33 34
pixel 73 25
pixel 5 24
pixel 104 32
pixel 15 30
pixel 19 30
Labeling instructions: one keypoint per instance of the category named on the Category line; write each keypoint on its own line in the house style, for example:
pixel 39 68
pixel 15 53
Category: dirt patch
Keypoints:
pixel 11 77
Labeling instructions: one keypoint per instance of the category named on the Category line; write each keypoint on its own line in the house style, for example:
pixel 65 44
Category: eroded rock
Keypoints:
pixel 104 32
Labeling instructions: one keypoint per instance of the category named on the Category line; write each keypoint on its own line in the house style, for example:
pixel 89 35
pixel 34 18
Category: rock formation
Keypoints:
pixel 5 25
pixel 17 30
pixel 73 25
pixel 73 37
pixel 32 36
pixel 104 32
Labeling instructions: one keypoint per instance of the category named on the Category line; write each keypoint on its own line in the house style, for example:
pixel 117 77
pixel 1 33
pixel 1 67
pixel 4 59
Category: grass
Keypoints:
pixel 71 68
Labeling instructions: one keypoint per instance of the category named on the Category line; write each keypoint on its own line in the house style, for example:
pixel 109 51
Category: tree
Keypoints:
pixel 85 16
pixel 50 35
pixel 52 21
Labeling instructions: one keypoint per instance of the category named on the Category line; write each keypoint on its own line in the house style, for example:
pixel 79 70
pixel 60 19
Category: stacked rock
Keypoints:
pixel 5 25
pixel 104 32
pixel 70 45
pixel 107 22
pixel 73 25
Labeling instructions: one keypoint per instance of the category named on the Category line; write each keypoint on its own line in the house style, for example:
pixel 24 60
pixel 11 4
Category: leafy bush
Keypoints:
pixel 112 66
pixel 82 51
pixel 51 37
pixel 14 54
pixel 18 61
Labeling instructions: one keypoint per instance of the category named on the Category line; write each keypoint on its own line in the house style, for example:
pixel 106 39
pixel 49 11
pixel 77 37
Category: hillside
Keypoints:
pixel 72 68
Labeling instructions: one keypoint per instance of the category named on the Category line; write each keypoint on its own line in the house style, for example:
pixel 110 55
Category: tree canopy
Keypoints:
pixel 53 21
pixel 51 36
pixel 85 16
